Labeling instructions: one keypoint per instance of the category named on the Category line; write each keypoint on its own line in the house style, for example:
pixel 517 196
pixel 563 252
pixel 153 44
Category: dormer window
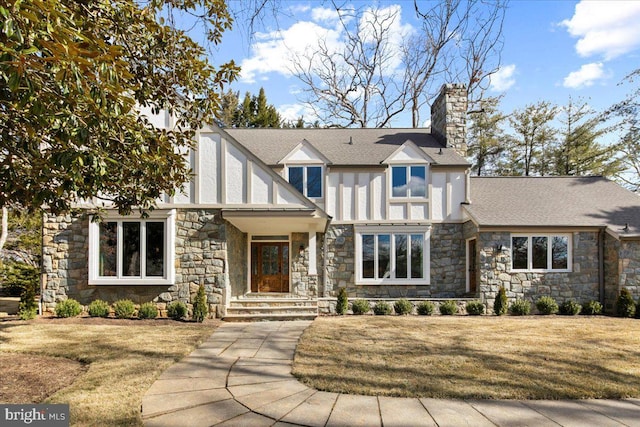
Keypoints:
pixel 307 180
pixel 408 181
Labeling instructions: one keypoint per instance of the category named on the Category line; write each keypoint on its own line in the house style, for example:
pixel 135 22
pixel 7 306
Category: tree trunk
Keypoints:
pixel 5 227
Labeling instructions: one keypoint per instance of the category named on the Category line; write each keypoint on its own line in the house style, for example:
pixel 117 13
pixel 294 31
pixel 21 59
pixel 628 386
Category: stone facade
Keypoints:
pixel 304 284
pixel 581 284
pixel 202 256
pixel 449 117
pixel 622 269
pixel 447 266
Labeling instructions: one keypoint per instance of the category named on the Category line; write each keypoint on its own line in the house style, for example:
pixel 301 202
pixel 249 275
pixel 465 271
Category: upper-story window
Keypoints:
pixel 307 180
pixel 408 181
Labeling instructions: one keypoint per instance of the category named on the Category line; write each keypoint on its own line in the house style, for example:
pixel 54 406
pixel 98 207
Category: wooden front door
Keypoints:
pixel 472 263
pixel 269 267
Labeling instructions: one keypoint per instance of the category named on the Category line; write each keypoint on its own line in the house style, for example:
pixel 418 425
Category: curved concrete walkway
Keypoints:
pixel 241 376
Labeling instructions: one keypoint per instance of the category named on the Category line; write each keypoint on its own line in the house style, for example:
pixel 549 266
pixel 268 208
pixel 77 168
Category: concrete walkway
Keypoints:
pixel 242 376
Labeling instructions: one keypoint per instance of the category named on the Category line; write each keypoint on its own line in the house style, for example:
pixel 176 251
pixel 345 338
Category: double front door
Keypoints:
pixel 270 267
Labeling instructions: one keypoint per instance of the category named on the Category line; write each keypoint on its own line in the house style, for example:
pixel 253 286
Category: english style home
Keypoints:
pixel 285 217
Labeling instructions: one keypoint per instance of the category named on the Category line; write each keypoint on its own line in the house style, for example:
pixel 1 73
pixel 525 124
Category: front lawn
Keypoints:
pixel 120 360
pixel 464 357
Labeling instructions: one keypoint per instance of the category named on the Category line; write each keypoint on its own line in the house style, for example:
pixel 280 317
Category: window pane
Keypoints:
pixel 401 256
pixel 155 249
pixel 539 252
pixel 399 181
pixel 108 249
pixel 519 247
pixel 384 258
pixel 295 178
pixel 560 253
pixel 270 260
pixel 368 256
pixel 418 181
pixel 417 245
pixel 314 181
pixel 131 249
pixel 285 259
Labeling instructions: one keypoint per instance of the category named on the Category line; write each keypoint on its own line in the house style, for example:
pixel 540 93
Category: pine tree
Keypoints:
pixel 485 136
pixel 501 304
pixel 200 309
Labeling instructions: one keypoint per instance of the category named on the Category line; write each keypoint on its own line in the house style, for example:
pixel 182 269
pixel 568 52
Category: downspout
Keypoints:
pixel 601 235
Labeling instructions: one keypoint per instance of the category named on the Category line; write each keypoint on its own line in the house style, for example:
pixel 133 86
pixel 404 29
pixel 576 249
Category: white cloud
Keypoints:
pixel 324 14
pixel 586 76
pixel 503 79
pixel 607 28
pixel 291 113
pixel 274 51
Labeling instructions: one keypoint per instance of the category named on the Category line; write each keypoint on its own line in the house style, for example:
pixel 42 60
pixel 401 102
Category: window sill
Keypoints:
pixel 131 282
pixel 395 282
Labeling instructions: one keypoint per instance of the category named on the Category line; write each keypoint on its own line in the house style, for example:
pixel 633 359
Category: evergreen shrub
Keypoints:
pixel 546 305
pixel 403 306
pixel 360 306
pixel 501 304
pixel 68 308
pixel 124 309
pixel 425 308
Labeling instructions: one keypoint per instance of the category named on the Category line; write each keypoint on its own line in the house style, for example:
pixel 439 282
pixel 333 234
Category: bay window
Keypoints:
pixel 541 252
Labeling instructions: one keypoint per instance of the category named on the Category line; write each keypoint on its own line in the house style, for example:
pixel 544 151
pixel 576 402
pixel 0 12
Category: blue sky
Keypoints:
pixel 552 50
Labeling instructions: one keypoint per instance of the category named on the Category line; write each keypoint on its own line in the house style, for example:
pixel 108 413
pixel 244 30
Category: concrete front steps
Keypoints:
pixel 257 307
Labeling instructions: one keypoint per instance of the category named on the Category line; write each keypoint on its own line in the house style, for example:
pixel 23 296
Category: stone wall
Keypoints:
pixel 302 283
pixel 447 266
pixel 202 256
pixel 449 117
pixel 581 284
pixel 622 269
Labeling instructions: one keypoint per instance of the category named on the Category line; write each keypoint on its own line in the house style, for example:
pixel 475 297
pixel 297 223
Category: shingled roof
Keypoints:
pixel 343 147
pixel 554 202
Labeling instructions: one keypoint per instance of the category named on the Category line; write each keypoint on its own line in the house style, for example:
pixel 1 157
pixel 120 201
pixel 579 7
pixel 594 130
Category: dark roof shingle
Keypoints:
pixel 553 202
pixel 343 147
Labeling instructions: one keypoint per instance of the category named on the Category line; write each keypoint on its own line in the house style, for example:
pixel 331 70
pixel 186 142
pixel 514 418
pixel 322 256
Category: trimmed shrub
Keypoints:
pixel 177 310
pixel 592 308
pixel 625 306
pixel 448 308
pixel 547 305
pixel 570 308
pixel 638 309
pixel 148 310
pixel 382 308
pixel 520 307
pixel 124 309
pixel 403 306
pixel 425 308
pixel 68 308
pixel 342 305
pixel 200 309
pixel 474 308
pixel 360 306
pixel 28 307
pixel 98 308
pixel 18 276
pixel 501 304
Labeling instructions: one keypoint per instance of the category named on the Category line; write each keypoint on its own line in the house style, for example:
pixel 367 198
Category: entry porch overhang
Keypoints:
pixel 276 221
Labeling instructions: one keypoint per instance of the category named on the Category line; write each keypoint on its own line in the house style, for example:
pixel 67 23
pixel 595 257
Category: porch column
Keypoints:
pixel 313 269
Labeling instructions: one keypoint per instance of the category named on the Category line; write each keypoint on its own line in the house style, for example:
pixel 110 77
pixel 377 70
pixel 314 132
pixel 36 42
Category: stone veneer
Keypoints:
pixel 302 283
pixel 202 256
pixel 622 269
pixel 581 284
pixel 447 266
pixel 449 117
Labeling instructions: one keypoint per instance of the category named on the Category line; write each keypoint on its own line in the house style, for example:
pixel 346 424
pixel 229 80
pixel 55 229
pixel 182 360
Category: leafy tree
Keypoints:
pixel 578 151
pixel 73 77
pixel 531 144
pixel 485 137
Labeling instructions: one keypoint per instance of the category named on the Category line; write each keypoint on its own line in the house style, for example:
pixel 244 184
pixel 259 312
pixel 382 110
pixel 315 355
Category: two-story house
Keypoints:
pixel 285 217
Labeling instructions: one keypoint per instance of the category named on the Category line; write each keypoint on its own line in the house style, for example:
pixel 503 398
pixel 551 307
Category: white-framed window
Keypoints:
pixel 541 252
pixel 132 251
pixel 409 181
pixel 307 180
pixel 392 255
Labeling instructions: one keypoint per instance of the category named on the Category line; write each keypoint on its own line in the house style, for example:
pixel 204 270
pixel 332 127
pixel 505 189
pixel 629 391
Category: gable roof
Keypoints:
pixel 554 202
pixel 344 147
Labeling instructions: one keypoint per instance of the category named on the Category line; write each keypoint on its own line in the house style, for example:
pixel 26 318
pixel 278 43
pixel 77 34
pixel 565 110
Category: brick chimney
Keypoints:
pixel 449 117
